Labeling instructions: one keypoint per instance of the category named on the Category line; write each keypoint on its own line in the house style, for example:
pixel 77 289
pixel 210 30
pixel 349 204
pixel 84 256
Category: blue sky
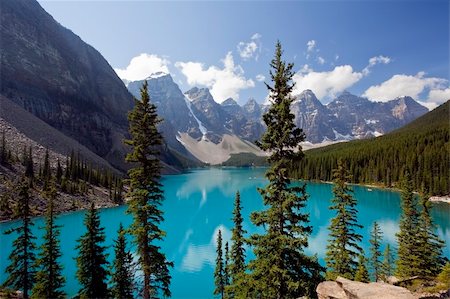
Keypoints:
pixel 379 49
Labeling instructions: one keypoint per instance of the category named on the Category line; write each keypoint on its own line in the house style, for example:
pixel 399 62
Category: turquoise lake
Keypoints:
pixel 199 203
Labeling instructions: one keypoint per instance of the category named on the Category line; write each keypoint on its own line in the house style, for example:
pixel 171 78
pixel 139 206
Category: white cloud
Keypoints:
pixel 250 49
pixel 223 83
pixel 437 97
pixel 336 57
pixel 260 77
pixel 311 45
pixel 407 85
pixel 142 66
pixel 325 84
pixel 374 61
pixel 320 60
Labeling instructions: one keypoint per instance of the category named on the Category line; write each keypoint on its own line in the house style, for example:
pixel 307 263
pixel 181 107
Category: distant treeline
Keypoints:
pixel 421 148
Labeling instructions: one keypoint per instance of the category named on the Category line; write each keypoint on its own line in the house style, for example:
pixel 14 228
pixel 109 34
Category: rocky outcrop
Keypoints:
pixel 347 289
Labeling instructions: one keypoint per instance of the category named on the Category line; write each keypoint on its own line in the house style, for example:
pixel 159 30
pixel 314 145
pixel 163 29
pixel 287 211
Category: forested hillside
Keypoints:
pixel 421 147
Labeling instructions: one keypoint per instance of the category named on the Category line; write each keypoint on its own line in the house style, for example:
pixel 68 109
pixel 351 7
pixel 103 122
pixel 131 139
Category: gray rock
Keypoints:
pixel 347 289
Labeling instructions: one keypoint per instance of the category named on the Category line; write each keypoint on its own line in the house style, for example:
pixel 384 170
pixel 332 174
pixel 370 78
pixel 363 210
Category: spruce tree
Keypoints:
pixel 59 173
pixel 146 196
pixel 91 260
pixel 122 274
pixel 387 267
pixel 237 256
pixel 21 270
pixel 49 279
pixel 46 171
pixel 219 280
pixel 375 244
pixel 362 274
pixel 3 151
pixel 408 259
pixel 343 247
pixel 29 167
pixel 281 269
pixel 430 245
pixel 226 266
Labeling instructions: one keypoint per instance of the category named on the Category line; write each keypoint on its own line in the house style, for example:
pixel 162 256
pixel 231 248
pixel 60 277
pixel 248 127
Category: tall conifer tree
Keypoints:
pixel 408 259
pixel 91 260
pixel 387 268
pixel 219 279
pixel 237 256
pixel 122 276
pixel 49 278
pixel 343 247
pixel 21 270
pixel 430 245
pixel 146 196
pixel 226 266
pixel 361 273
pixel 281 269
pixel 375 251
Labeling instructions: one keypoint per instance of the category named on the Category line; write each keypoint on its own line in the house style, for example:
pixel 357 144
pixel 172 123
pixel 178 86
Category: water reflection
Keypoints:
pixel 199 255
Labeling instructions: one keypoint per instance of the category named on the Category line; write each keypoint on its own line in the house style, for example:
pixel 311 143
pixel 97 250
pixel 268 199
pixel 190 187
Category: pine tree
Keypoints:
pixel 408 263
pixel 122 277
pixel 49 279
pixel 21 270
pixel 430 245
pixel 387 268
pixel 362 274
pixel 237 257
pixel 59 173
pixel 281 269
pixel 375 244
pixel 219 280
pixel 91 259
pixel 29 167
pixel 146 196
pixel 343 249
pixel 46 171
pixel 226 267
pixel 3 151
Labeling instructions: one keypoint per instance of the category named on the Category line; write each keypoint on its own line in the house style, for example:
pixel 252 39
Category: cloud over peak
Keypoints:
pixel 250 49
pixel 143 65
pixel 413 86
pixel 223 83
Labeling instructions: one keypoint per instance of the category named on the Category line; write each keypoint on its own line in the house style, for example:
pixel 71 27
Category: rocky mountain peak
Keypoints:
pixel 199 94
pixel 229 102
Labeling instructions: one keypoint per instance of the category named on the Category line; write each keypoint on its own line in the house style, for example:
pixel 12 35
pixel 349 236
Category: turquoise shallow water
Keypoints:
pixel 199 203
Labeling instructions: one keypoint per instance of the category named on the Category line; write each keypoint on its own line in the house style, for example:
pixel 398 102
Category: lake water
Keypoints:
pixel 199 203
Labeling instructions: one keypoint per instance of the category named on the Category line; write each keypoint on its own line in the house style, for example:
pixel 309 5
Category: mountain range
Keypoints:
pixel 58 81
pixel 194 118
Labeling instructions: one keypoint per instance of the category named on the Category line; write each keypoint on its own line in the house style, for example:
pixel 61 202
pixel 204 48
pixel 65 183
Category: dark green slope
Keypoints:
pixel 421 147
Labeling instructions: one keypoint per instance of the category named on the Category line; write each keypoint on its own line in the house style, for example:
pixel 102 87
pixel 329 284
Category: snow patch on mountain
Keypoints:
pixel 201 127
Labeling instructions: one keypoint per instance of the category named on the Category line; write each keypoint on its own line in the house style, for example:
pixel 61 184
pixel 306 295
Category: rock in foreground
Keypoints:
pixel 347 289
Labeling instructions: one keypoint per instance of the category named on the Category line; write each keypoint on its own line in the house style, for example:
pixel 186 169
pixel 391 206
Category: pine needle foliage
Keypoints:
pixel 146 196
pixel 49 278
pixel 343 247
pixel 21 270
pixel 91 260
pixel 375 251
pixel 219 275
pixel 122 274
pixel 281 269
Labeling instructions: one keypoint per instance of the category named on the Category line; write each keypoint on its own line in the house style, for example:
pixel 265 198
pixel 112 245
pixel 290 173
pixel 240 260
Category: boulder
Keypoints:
pixel 347 289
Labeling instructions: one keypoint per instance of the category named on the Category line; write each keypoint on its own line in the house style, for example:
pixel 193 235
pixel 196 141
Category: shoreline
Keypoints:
pixel 444 199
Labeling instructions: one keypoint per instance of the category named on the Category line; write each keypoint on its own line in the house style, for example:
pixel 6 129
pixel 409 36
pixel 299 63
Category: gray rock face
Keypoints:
pixel 52 73
pixel 314 118
pixel 346 289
